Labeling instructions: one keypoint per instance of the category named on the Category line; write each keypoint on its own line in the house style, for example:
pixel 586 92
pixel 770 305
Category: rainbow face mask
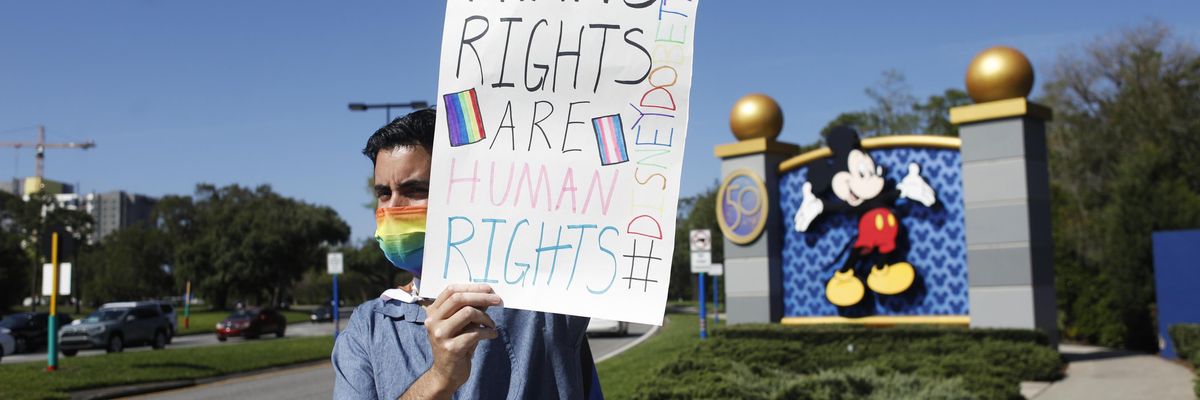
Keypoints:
pixel 401 236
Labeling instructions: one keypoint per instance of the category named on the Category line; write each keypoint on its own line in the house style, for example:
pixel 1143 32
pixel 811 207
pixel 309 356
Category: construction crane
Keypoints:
pixel 41 147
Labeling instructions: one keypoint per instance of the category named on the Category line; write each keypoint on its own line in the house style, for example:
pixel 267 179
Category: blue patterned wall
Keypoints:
pixel 937 243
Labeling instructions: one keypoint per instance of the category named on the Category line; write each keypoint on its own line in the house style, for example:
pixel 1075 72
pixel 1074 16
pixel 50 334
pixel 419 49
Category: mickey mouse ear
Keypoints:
pixel 820 175
pixel 842 139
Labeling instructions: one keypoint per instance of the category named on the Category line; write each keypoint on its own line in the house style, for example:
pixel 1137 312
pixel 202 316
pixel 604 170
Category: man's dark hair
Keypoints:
pixel 414 129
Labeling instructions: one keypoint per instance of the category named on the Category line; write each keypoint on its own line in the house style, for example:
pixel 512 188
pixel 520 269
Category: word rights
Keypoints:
pixel 560 138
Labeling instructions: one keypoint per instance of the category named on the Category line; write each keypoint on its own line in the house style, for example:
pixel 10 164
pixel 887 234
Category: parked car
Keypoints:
pixel 251 323
pixel 600 325
pixel 169 313
pixel 29 329
pixel 114 327
pixel 7 344
pixel 167 310
pixel 321 314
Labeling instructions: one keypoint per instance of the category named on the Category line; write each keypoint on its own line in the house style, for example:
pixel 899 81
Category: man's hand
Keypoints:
pixel 456 324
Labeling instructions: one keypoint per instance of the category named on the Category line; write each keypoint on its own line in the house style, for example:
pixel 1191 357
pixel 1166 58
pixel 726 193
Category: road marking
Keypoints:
pixel 629 345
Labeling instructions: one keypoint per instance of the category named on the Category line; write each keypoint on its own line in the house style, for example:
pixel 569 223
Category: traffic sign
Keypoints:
pixel 701 261
pixel 700 240
pixel 333 262
pixel 716 270
pixel 64 279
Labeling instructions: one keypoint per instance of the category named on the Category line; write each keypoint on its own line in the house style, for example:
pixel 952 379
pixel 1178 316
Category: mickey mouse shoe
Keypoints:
pixel 844 289
pixel 891 279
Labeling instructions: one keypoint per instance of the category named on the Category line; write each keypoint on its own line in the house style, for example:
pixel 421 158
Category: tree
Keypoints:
pixel 14 261
pixel 253 243
pixel 1123 147
pixel 128 265
pixel 934 113
pixel 30 222
pixel 696 212
pixel 896 111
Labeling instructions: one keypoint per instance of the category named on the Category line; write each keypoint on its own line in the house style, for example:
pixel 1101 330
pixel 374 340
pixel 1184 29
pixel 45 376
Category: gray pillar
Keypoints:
pixel 753 275
pixel 1006 194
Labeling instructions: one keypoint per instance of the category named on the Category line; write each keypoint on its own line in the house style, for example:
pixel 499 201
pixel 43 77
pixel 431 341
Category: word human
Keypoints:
pixel 529 186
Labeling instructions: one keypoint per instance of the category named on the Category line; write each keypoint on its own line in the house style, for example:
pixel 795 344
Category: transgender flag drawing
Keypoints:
pixel 610 138
pixel 463 117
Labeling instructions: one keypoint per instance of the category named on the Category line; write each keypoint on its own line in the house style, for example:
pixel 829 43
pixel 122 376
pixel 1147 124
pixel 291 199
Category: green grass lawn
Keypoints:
pixel 30 381
pixel 620 375
pixel 206 321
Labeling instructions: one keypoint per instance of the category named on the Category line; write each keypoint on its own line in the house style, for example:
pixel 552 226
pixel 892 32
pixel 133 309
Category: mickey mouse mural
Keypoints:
pixel 852 182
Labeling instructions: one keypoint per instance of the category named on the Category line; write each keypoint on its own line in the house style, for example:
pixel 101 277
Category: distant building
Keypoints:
pixel 110 211
pixel 33 184
pixel 118 209
pixel 13 186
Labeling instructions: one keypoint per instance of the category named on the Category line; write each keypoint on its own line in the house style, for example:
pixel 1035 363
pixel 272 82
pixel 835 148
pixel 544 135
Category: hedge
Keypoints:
pixel 1187 340
pixel 837 333
pixel 850 362
pixel 1187 347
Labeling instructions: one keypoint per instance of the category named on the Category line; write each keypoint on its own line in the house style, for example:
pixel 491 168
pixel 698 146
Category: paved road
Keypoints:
pixel 603 345
pixel 293 330
pixel 316 382
pixel 1100 373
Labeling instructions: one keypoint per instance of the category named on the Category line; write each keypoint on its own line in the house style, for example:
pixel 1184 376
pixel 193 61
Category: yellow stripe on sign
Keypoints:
pixel 468 111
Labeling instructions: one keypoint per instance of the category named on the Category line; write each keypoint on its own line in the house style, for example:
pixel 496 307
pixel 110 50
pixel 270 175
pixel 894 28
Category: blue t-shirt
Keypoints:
pixel 537 355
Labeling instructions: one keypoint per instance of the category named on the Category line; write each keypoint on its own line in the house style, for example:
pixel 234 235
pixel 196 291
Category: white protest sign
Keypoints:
pixel 559 143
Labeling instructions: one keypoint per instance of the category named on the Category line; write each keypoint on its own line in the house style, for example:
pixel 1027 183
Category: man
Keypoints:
pixel 463 344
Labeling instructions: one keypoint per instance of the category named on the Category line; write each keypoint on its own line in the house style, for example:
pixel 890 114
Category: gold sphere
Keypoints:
pixel 756 116
pixel 999 73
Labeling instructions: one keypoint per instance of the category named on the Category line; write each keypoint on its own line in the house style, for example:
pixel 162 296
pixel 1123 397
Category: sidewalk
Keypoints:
pixel 1100 373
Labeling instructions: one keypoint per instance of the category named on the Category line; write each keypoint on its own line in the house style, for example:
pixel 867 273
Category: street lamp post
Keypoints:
pixel 416 105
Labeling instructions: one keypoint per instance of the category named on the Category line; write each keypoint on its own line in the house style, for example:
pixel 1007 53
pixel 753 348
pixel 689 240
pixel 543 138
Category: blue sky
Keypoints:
pixel 176 93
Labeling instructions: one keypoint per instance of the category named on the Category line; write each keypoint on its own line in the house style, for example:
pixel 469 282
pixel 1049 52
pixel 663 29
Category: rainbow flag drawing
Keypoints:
pixel 464 118
pixel 610 138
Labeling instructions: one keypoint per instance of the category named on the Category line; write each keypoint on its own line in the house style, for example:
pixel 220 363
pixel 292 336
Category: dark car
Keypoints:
pixel 29 329
pixel 116 326
pixel 321 314
pixel 251 323
pixel 167 310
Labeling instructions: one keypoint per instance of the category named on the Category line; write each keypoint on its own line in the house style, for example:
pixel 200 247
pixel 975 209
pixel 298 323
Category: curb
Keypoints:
pixel 146 388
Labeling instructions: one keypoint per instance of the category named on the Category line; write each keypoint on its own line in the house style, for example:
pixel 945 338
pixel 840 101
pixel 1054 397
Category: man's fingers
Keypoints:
pixel 469 287
pixel 466 316
pixel 461 288
pixel 466 341
pixel 460 300
pixel 450 302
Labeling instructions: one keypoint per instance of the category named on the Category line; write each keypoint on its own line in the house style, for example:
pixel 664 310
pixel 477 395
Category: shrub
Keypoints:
pixel 834 362
pixel 1187 340
pixel 869 383
pixel 832 333
pixel 1187 347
